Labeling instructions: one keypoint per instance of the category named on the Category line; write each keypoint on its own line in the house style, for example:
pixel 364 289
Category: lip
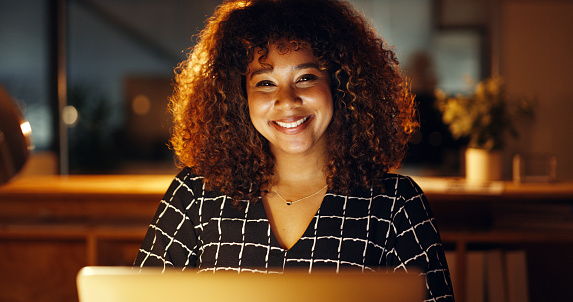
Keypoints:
pixel 292 125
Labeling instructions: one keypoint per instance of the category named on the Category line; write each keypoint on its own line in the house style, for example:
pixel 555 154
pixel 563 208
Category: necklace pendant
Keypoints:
pixel 289 202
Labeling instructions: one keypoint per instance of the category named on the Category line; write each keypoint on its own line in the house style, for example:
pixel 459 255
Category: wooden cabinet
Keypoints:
pixel 533 217
pixel 52 226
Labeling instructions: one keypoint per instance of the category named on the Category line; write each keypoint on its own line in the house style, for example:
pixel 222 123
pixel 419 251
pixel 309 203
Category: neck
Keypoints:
pixel 299 169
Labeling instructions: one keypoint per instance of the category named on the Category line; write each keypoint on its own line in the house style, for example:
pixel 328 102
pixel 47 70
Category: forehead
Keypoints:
pixel 282 54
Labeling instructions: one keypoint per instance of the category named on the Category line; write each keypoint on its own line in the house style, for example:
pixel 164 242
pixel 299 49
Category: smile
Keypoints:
pixel 293 124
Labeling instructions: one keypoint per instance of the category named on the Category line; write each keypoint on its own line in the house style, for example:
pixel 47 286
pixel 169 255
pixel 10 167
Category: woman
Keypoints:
pixel 288 116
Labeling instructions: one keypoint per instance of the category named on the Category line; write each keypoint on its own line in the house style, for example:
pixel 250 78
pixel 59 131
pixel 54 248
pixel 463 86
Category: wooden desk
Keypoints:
pixel 536 217
pixel 52 226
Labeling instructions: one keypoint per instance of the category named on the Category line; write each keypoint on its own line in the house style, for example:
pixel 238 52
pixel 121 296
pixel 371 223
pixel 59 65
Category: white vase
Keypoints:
pixel 482 166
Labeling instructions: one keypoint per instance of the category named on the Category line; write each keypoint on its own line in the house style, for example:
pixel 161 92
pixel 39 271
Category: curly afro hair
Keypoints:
pixel 374 112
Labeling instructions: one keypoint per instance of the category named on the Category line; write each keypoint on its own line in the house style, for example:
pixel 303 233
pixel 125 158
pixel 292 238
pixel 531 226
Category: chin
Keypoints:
pixel 297 149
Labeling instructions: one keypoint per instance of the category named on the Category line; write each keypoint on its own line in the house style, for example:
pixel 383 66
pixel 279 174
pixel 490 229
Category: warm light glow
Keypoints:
pixel 70 115
pixel 26 128
pixel 141 105
pixel 27 131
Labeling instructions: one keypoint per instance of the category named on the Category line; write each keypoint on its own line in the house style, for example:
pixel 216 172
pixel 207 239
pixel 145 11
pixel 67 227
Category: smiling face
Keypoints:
pixel 290 102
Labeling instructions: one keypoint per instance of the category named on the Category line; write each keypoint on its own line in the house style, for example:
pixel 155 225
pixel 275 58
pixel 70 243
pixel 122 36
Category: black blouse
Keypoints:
pixel 390 228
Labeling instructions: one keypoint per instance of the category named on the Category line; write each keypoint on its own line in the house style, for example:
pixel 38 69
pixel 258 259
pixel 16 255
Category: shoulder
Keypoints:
pixel 185 183
pixel 397 185
pixel 390 186
pixel 401 194
pixel 187 190
pixel 186 177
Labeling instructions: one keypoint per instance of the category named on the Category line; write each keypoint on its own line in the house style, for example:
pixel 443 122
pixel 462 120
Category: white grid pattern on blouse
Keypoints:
pixel 205 225
pixel 241 243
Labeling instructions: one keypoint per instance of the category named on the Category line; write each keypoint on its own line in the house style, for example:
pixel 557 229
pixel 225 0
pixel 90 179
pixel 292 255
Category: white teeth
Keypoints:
pixel 293 124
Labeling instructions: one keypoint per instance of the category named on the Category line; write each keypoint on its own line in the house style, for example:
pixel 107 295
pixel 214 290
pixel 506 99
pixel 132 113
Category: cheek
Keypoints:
pixel 331 115
pixel 327 103
pixel 257 110
pixel 331 110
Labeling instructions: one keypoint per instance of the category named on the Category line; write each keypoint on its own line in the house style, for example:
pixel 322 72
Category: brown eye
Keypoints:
pixel 307 77
pixel 264 84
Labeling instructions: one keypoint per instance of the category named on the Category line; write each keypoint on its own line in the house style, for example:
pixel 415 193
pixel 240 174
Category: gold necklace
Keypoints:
pixel 291 202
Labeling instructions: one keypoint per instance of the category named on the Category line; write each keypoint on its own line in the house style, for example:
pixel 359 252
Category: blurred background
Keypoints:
pixel 93 76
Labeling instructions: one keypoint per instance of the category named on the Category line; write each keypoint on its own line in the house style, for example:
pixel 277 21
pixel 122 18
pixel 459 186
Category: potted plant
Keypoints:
pixel 483 118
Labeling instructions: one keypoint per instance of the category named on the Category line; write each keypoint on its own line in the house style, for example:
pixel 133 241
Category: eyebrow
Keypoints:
pixel 297 67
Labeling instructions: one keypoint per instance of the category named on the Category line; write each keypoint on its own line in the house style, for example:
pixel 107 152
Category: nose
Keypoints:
pixel 287 98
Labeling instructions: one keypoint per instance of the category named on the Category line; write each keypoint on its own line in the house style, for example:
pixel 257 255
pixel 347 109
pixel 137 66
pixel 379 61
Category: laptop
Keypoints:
pixel 110 284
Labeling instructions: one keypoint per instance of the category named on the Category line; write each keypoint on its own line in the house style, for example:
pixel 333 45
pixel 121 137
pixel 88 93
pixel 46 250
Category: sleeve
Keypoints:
pixel 416 240
pixel 170 240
